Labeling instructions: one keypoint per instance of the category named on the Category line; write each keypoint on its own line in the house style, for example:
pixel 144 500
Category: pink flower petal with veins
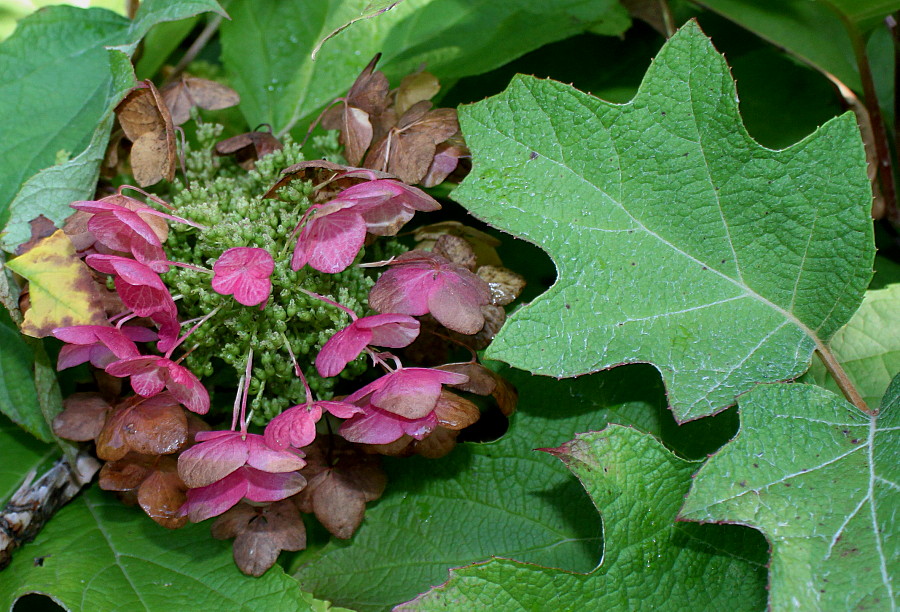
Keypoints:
pixel 139 287
pixel 390 330
pixel 377 426
pixel 209 501
pixel 217 455
pixel 329 243
pixel 407 392
pixel 150 374
pixel 99 344
pixel 419 282
pixel 244 272
pixel 296 426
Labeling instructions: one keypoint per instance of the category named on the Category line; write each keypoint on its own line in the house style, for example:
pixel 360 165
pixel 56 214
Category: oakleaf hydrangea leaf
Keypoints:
pixel 868 347
pixel 820 479
pixel 61 287
pixel 650 562
pixel 98 554
pixel 678 240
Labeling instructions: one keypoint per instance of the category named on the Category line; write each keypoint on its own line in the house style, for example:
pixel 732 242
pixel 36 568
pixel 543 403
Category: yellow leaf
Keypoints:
pixel 62 290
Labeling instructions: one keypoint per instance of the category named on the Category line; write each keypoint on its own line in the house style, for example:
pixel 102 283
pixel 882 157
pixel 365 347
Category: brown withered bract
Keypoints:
pixel 151 426
pixel 82 417
pixel 505 284
pixel 484 245
pixel 146 121
pixel 152 482
pixel 456 249
pixel 415 88
pixel 408 149
pixel 248 147
pixel 366 100
pixel 260 533
pixel 483 381
pixel 341 479
pixel 190 91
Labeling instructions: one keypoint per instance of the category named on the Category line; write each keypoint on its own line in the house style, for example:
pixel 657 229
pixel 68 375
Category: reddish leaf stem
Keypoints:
pixel 843 381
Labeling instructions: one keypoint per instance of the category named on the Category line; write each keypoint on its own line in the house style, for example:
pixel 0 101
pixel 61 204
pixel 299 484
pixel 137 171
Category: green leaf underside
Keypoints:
pixel 58 91
pixel 101 555
pixel 495 499
pixel 19 453
pixel 266 47
pixel 868 347
pixel 678 240
pixel 820 479
pixel 650 562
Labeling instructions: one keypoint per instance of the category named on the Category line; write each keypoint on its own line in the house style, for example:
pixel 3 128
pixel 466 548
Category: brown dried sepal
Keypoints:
pixel 485 245
pixel 364 103
pixel 494 318
pixel 408 149
pixel 415 88
pixel 147 123
pixel 189 91
pixel 455 412
pixel 322 172
pixel 341 479
pixel 150 480
pixel 152 426
pixel 260 533
pixel 505 284
pixel 483 381
pixel 437 444
pixel 82 417
pixel 249 147
pixel 446 162
pixel 456 249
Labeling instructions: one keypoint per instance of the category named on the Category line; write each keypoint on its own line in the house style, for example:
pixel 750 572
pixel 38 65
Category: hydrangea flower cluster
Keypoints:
pixel 273 286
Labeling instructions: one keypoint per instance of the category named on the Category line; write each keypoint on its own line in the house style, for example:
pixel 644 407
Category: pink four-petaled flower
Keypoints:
pixel 419 282
pixel 297 426
pixel 244 272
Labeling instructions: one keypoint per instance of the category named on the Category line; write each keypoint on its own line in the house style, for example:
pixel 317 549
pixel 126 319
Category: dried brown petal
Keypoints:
pixel 341 479
pixel 261 533
pixel 438 444
pixel 505 284
pixel 189 91
pixel 454 412
pixel 249 147
pixel 126 474
pixel 483 244
pixel 506 395
pixel 82 417
pixel 483 381
pixel 415 88
pixel 160 495
pixel 456 249
pixel 408 149
pixel 146 121
pixel 142 426
pixel 445 162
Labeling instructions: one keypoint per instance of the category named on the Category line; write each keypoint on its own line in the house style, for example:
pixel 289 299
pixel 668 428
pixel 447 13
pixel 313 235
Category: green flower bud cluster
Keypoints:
pixel 228 201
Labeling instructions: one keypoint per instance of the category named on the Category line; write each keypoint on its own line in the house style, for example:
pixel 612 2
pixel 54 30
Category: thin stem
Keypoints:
pixel 156 199
pixel 843 381
pixel 322 298
pixel 246 390
pixel 236 409
pixel 128 315
pixel 189 266
pixel 879 132
pixel 191 331
pixel 211 27
pixel 668 21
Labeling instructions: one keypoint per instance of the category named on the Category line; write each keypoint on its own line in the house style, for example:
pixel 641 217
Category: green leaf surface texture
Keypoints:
pixel 868 348
pixel 820 479
pixel 100 555
pixel 19 453
pixel 650 562
pixel 496 499
pixel 678 240
pixel 266 47
pixel 58 91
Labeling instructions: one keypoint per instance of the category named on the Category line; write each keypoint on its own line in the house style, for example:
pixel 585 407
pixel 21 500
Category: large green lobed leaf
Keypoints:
pixel 650 562
pixel 678 240
pixel 101 555
pixel 821 480
pixel 266 47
